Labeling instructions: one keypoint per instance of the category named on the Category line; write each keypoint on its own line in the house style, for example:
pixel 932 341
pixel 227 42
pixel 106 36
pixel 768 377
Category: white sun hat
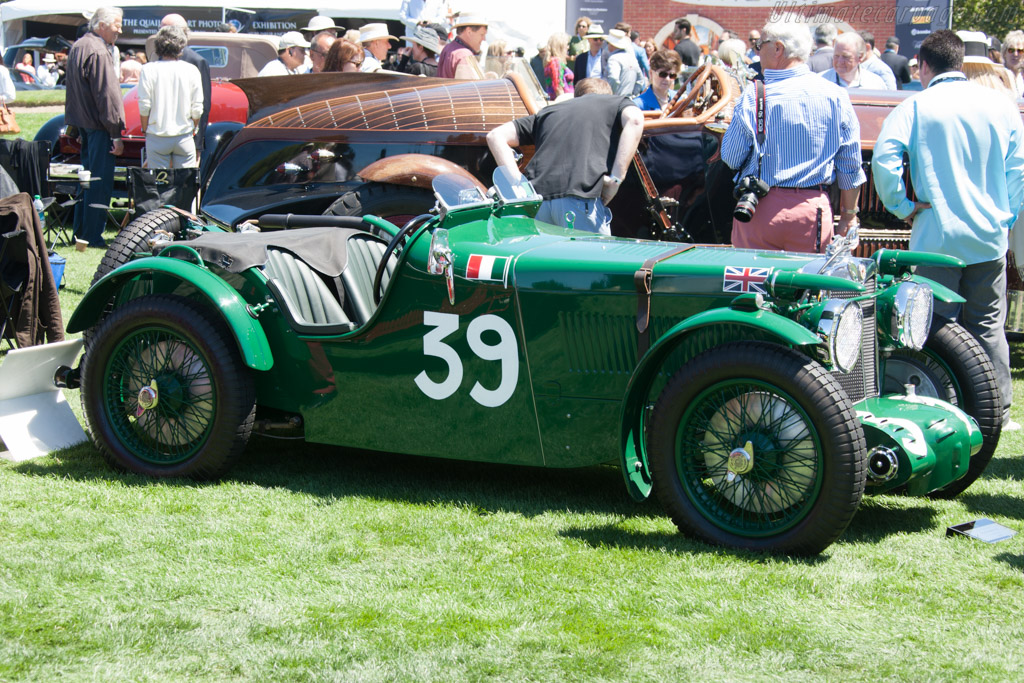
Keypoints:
pixel 321 23
pixel 371 32
pixel 292 39
pixel 469 19
pixel 618 39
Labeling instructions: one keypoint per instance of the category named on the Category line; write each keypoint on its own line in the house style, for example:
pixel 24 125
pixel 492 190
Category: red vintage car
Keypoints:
pixel 230 55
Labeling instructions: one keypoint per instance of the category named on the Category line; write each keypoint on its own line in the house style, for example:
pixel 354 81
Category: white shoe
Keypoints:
pixel 1011 426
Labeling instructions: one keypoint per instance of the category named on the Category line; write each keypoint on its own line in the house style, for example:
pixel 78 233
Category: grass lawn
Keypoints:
pixel 34 98
pixel 311 563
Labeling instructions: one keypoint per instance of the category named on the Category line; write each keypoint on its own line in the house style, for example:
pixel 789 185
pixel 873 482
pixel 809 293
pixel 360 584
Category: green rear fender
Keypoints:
pixel 633 450
pixel 250 337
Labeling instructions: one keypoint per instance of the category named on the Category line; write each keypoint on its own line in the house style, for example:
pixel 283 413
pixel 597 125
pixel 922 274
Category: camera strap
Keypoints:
pixel 759 120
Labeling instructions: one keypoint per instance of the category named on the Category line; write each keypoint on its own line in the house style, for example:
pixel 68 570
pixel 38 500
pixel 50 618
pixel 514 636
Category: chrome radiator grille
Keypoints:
pixel 862 382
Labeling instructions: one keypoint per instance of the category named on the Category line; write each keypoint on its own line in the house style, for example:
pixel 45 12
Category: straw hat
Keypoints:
pixel 618 39
pixel 425 37
pixel 292 39
pixel 595 31
pixel 469 19
pixel 321 23
pixel 49 59
pixel 370 32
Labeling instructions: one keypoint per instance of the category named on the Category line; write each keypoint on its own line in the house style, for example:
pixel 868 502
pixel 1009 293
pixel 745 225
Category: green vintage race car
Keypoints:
pixel 759 395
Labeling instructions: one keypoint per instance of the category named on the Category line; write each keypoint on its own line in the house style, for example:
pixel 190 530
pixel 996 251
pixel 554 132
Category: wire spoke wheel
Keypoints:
pixel 748 457
pixel 164 390
pixel 154 366
pixel 756 446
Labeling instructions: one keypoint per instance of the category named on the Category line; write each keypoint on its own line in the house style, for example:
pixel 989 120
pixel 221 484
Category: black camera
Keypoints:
pixel 747 191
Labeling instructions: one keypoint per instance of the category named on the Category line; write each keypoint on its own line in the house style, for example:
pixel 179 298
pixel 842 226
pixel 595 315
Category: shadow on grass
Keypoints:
pixel 613 536
pixel 990 504
pixel 1004 468
pixel 876 520
pixel 327 472
pixel 1015 561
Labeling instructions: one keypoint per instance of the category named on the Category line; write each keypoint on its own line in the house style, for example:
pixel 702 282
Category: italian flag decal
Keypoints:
pixel 487 267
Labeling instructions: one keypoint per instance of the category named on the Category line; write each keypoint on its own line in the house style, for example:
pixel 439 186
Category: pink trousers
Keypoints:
pixel 786 219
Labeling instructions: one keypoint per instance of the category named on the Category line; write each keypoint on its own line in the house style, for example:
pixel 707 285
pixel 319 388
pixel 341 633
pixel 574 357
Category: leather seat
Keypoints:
pixel 309 300
pixel 306 295
pixel 364 255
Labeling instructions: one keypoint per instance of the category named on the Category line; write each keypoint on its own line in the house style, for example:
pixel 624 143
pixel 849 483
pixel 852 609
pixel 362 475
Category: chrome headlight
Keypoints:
pixel 912 314
pixel 841 325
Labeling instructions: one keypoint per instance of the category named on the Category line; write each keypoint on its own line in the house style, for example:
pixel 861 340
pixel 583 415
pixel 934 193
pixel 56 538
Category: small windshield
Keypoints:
pixel 454 191
pixel 512 186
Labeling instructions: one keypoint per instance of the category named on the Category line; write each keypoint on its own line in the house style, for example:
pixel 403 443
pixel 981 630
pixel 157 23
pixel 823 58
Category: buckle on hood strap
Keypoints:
pixel 642 281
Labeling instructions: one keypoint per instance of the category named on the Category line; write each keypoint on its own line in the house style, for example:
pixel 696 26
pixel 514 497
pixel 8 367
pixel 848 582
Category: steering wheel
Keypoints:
pixel 392 246
pixel 678 104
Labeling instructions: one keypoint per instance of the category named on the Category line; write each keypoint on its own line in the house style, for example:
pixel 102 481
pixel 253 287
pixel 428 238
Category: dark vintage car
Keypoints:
pixel 349 144
pixel 757 394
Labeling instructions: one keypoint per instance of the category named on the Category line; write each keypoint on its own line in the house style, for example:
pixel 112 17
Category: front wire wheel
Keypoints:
pixel 953 367
pixel 756 446
pixel 165 392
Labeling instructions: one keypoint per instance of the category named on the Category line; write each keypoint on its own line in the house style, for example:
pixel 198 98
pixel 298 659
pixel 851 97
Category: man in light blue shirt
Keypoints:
pixel 812 138
pixel 966 149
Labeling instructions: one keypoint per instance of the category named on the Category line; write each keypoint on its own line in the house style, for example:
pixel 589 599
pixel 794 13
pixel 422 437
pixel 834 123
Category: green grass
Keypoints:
pixel 34 98
pixel 311 563
pixel 31 122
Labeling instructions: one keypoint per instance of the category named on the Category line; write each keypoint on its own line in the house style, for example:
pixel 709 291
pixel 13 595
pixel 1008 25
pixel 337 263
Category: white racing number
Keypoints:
pixel 506 351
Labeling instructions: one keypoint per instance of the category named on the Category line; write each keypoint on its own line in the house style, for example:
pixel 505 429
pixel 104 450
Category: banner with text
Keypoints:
pixel 606 13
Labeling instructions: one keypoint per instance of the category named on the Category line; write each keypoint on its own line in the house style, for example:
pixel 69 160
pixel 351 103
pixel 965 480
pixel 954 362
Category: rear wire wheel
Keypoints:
pixel 756 446
pixel 165 392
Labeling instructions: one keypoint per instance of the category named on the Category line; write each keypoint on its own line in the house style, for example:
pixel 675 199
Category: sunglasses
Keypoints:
pixel 1015 50
pixel 668 74
pixel 759 42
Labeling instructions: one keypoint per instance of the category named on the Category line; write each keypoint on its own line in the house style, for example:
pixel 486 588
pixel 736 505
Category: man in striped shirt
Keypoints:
pixel 812 139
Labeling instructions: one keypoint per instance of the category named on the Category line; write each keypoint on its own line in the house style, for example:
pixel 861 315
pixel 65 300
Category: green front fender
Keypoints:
pixel 251 339
pixel 633 450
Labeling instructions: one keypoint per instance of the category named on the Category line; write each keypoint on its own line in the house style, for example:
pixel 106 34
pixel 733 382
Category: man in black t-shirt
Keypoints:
pixel 583 148
pixel 688 50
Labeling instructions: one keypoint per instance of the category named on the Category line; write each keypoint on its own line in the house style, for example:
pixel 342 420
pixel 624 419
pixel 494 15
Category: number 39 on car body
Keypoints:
pixel 506 352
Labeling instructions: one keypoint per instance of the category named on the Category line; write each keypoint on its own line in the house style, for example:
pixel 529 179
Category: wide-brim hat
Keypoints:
pixel 292 39
pixel 618 39
pixel 321 23
pixel 371 32
pixel 469 19
pixel 50 59
pixel 975 47
pixel 425 37
pixel 595 31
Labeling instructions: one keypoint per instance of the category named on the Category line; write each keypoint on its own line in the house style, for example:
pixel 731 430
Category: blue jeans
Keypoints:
pixel 97 159
pixel 590 215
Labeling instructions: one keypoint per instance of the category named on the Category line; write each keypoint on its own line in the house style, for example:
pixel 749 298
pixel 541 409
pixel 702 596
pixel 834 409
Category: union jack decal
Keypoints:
pixel 741 280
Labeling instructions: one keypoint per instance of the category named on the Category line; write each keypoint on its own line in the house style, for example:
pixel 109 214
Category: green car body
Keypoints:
pixel 502 339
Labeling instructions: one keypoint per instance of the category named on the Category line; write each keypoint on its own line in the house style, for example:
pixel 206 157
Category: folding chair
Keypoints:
pixel 13 274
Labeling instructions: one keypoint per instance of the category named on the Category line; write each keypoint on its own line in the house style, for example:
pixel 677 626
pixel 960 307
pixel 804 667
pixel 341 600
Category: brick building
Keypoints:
pixel 656 18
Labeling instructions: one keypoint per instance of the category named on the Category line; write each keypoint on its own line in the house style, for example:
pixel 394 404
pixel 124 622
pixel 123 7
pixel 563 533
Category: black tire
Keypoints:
pixel 805 479
pixel 134 238
pixel 953 366
pixel 396 203
pixel 205 403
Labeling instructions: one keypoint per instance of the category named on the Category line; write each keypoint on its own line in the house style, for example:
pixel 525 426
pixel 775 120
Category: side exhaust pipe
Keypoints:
pixel 883 465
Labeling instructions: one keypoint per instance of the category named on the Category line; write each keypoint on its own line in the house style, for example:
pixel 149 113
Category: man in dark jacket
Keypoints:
pixel 899 64
pixel 591 64
pixel 194 58
pixel 93 105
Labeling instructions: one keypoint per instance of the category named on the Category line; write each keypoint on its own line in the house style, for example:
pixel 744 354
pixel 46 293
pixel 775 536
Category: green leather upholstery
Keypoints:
pixel 307 296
